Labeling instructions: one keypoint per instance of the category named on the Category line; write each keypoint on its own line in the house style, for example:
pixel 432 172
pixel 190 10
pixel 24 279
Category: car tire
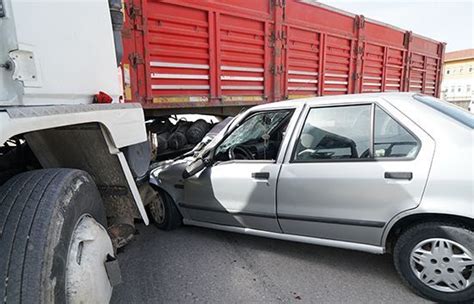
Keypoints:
pixel 431 253
pixel 44 215
pixel 163 211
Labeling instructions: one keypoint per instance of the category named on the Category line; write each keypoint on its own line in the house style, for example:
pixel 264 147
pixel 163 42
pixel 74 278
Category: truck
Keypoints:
pixel 78 80
pixel 68 166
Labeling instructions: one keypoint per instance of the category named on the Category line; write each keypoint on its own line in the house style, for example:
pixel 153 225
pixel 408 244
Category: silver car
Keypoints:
pixel 381 173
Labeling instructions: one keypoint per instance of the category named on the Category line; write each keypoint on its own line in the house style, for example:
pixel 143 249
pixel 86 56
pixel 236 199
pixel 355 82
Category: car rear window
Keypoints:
pixel 447 109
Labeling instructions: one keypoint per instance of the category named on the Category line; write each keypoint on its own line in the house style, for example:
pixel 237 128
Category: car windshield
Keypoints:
pixel 447 109
pixel 253 128
pixel 227 123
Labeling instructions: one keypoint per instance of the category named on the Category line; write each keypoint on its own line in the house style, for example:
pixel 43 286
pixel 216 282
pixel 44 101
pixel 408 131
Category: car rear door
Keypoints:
pixel 353 167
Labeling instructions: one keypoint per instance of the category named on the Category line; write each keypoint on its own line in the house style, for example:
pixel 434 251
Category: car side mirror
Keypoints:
pixel 195 167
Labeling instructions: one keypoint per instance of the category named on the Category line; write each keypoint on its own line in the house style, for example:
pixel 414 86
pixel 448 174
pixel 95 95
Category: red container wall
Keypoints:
pixel 213 53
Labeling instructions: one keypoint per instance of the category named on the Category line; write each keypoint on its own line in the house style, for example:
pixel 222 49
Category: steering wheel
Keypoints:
pixel 240 152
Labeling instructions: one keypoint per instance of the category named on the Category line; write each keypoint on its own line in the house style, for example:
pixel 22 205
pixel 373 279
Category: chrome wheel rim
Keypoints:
pixel 443 265
pixel 157 209
pixel 86 277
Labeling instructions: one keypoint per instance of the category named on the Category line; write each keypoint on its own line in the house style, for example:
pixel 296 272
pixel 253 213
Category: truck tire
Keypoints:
pixel 177 140
pixel 197 131
pixel 436 259
pixel 53 243
pixel 163 211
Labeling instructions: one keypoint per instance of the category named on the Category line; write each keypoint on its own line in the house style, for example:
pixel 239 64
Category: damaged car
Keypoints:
pixel 363 172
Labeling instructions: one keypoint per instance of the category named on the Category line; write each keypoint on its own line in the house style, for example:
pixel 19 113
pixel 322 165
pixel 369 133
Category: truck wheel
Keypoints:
pixel 437 261
pixel 163 211
pixel 53 243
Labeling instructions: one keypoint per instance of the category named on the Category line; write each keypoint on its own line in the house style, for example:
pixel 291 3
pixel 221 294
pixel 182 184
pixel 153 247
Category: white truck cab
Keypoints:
pixel 68 166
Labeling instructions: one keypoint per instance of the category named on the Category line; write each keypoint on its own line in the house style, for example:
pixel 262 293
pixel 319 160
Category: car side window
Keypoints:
pixel 391 139
pixel 340 132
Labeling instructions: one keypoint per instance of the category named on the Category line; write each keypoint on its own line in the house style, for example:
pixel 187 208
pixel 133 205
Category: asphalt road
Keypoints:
pixel 196 265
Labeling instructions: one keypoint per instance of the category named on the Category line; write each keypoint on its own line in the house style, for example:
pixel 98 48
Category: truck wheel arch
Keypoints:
pixel 91 147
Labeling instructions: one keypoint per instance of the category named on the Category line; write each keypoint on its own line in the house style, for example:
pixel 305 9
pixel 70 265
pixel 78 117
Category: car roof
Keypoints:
pixel 333 99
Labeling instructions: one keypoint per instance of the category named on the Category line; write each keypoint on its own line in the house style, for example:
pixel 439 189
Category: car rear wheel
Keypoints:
pixel 437 260
pixel 163 211
pixel 53 244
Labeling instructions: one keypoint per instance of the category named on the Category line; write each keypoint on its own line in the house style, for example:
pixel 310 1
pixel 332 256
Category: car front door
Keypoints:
pixel 239 189
pixel 352 168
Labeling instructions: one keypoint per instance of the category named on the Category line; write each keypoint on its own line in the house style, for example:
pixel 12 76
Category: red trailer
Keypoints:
pixel 215 56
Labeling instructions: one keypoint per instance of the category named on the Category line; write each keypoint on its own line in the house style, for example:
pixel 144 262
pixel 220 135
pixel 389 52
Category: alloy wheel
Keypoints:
pixel 443 265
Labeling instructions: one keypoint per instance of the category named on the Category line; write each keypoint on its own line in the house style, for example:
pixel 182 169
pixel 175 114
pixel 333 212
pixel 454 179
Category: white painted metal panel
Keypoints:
pixel 73 48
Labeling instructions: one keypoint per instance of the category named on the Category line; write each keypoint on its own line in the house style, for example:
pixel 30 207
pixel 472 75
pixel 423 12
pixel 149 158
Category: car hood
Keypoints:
pixel 170 169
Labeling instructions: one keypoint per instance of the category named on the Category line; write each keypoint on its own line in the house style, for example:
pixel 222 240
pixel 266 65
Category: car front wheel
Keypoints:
pixel 163 211
pixel 437 260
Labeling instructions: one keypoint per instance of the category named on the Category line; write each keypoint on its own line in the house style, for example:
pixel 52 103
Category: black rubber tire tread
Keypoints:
pixel 418 232
pixel 37 209
pixel 19 190
pixel 173 219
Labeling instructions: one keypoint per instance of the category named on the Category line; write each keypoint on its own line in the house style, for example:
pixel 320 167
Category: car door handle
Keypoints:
pixel 399 175
pixel 261 175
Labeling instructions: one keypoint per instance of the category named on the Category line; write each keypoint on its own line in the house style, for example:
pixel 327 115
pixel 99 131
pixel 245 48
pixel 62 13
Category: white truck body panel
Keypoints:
pixel 123 122
pixel 62 52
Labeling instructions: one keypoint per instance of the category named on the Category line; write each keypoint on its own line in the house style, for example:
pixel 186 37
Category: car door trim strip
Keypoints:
pixel 305 218
pixel 340 221
pixel 236 213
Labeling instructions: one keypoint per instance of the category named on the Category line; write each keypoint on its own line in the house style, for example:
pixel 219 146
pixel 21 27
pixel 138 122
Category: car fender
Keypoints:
pixel 167 175
pixel 431 208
